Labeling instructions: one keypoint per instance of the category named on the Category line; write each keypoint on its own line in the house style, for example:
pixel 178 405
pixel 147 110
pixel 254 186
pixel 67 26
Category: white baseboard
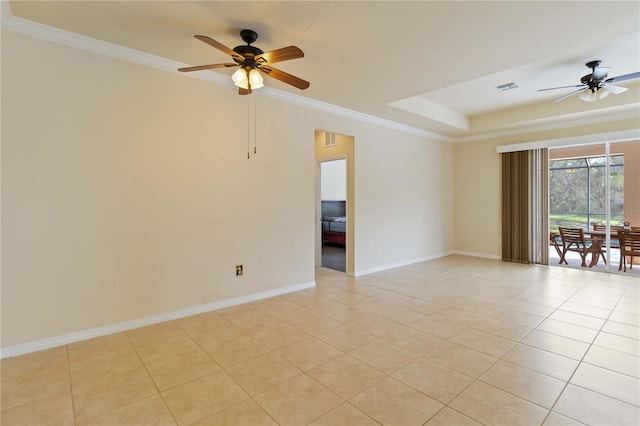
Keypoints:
pixel 65 339
pixel 400 264
pixel 473 254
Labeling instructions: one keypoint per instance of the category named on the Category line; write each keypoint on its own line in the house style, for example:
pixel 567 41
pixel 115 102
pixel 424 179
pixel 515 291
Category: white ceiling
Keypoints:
pixel 438 62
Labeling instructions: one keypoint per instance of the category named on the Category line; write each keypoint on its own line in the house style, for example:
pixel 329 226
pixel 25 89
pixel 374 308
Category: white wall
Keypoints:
pixel 333 176
pixel 404 200
pixel 126 192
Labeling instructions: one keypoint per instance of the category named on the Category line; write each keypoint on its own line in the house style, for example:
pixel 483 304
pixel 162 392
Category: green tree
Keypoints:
pixel 569 191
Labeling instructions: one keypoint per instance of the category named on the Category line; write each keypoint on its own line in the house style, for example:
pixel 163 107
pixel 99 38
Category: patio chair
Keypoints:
pixel 573 240
pixel 629 246
pixel 556 241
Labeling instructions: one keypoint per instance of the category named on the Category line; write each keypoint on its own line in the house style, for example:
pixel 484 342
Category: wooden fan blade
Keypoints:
pixel 284 77
pixel 219 46
pixel 242 91
pixel 206 67
pixel 284 54
pixel 569 94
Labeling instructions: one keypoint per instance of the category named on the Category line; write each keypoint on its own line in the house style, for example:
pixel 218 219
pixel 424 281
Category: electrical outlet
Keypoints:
pixel 239 270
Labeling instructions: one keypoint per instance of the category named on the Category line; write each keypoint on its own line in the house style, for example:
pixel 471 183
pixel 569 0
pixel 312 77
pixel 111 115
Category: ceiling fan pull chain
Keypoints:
pixel 255 132
pixel 248 129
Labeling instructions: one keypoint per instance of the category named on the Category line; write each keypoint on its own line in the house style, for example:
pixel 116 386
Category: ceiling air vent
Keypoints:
pixel 508 86
pixel 330 139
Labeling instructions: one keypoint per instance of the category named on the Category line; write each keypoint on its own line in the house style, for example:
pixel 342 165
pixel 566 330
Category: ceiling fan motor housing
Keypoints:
pixel 588 81
pixel 248 52
pixel 249 36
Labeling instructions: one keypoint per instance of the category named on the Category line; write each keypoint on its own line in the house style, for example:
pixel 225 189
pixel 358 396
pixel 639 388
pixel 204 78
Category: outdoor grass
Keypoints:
pixel 578 220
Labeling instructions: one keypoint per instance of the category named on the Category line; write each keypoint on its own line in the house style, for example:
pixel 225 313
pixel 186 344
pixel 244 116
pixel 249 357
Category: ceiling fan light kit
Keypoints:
pixel 247 79
pixel 593 95
pixel 596 85
pixel 255 79
pixel 253 62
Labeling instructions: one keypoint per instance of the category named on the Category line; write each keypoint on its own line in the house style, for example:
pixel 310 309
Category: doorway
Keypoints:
pixel 333 214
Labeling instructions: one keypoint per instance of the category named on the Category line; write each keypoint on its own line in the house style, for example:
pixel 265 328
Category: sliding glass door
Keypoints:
pixel 595 188
pixel 624 196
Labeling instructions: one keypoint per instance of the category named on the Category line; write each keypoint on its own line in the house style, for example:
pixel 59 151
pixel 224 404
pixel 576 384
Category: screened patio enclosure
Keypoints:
pixel 595 186
pixel 577 192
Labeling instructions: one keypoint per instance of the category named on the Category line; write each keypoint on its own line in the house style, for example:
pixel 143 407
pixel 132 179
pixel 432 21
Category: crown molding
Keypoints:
pixel 623 113
pixel 344 112
pixel 590 139
pixel 56 35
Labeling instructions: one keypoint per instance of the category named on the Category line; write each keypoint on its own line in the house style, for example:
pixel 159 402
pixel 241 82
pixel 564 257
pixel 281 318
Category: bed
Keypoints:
pixel 334 222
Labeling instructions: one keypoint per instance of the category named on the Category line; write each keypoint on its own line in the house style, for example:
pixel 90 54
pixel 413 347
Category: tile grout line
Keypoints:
pixel 250 397
pixel 263 409
pixel 502 359
pixel 498 359
pixel 390 376
pixel 579 362
pixel 466 327
pixel 582 360
pixel 150 378
pixel 73 404
pixel 620 296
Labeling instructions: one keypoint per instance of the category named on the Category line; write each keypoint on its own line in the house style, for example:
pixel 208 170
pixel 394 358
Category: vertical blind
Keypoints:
pixel 539 193
pixel 525 217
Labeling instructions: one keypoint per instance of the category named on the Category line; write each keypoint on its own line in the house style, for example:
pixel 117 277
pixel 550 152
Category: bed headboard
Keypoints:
pixel 334 208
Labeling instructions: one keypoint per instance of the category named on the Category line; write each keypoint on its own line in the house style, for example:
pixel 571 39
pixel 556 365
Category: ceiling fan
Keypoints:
pixel 253 61
pixel 596 85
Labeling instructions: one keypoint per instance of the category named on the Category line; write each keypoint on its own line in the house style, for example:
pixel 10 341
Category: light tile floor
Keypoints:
pixel 453 341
